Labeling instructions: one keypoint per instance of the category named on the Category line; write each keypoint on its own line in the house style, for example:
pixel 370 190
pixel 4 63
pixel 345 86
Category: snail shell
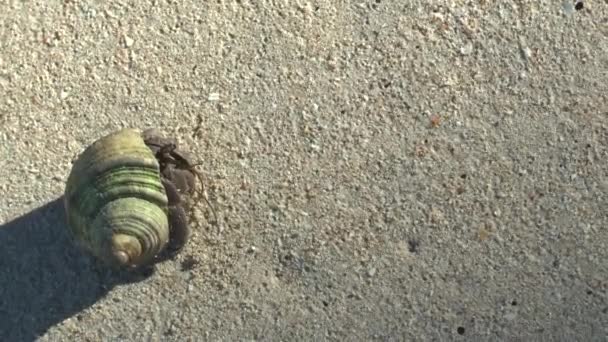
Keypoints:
pixel 115 202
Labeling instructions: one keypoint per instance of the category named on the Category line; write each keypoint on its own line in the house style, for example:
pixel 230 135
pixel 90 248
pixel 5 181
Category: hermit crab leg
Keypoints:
pixel 168 154
pixel 179 230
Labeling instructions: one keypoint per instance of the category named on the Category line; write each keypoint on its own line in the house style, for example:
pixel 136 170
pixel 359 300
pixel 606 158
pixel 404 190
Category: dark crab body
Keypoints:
pixel 126 195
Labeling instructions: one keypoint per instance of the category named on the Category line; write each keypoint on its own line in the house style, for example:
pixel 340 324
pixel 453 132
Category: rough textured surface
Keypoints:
pixel 382 170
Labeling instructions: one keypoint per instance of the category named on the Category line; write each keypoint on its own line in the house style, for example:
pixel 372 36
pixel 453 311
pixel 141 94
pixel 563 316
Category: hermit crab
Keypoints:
pixel 127 195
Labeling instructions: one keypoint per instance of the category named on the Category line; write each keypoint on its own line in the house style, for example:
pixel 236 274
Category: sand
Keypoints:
pixel 382 170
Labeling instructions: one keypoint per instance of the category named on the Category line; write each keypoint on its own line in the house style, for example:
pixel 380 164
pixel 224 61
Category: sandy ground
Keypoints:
pixel 382 170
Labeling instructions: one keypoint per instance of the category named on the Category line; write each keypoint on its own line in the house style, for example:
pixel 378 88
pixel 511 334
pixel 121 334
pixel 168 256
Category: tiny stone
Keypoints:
pixel 467 49
pixel 567 7
pixel 63 94
pixel 128 41
pixel 214 97
pixel 527 52
pixel 371 272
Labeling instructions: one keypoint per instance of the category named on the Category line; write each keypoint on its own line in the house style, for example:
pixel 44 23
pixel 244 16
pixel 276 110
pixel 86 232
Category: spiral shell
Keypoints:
pixel 115 202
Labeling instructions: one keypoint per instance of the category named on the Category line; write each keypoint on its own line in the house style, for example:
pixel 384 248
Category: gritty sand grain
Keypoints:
pixel 382 170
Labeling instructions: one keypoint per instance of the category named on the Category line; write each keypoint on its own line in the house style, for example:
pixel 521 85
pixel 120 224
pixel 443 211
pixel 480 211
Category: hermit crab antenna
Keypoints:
pixel 202 192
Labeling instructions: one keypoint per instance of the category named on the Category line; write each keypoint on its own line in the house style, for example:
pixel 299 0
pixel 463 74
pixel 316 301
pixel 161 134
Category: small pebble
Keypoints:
pixel 567 7
pixel 467 49
pixel 214 97
pixel 129 41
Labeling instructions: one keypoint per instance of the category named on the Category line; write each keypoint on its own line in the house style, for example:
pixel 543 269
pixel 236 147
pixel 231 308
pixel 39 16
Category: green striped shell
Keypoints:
pixel 115 203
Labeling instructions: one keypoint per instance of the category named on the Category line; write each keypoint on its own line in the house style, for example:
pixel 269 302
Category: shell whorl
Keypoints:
pixel 115 202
